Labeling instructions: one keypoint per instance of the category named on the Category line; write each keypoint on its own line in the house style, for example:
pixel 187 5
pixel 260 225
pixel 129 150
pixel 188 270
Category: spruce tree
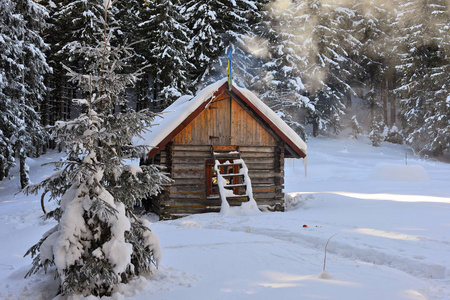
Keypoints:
pixel 168 41
pixel 30 136
pixel 424 85
pixel 22 88
pixel 376 132
pixel 280 83
pixel 378 47
pixel 9 82
pixel 356 128
pixel 132 17
pixel 437 117
pixel 98 242
pixel 334 65
pixel 244 37
pixel 216 25
pixel 207 34
pixel 72 25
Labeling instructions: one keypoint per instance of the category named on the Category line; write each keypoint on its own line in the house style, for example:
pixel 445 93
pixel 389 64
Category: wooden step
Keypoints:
pixel 230 164
pixel 231 175
pixel 235 185
pixel 244 197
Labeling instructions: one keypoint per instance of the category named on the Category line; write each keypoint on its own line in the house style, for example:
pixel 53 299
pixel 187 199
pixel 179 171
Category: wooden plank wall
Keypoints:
pixel 228 123
pixel 187 194
pixel 214 121
pixel 246 131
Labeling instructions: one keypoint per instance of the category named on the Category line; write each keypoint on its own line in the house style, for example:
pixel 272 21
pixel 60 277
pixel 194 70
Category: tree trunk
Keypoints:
pixel 45 146
pixel 2 171
pixel 392 98
pixel 24 172
pixel 384 97
pixel 315 127
pixel 37 147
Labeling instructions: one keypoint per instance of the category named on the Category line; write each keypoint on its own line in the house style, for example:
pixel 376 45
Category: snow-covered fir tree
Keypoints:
pixel 98 242
pixel 280 80
pixel 243 35
pixel 333 67
pixel 246 63
pixel 376 30
pixel 79 24
pixel 9 81
pixel 23 65
pixel 215 26
pixel 356 128
pixel 206 41
pixel 73 25
pixel 376 132
pixel 168 37
pixel 131 17
pixel 424 83
pixel 31 136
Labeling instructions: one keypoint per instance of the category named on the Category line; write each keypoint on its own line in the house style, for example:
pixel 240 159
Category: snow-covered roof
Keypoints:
pixel 186 108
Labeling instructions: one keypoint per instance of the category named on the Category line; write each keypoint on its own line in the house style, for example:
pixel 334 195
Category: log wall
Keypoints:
pixel 187 194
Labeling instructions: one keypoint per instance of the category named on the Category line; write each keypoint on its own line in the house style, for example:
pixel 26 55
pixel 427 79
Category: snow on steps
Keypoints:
pixel 248 202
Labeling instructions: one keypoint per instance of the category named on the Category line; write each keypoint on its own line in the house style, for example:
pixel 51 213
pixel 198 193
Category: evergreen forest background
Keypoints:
pixel 324 66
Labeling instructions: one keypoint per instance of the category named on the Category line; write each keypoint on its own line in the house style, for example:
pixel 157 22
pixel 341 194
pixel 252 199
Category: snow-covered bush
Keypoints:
pixel 394 136
pixel 98 242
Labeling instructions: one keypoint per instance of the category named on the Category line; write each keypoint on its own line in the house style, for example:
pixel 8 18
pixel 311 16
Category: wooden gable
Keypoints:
pixel 225 122
pixel 223 117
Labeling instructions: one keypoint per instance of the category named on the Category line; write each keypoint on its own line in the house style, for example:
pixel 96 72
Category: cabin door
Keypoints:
pixel 220 122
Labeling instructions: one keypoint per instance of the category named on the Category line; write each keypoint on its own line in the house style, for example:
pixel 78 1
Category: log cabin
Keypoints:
pixel 224 144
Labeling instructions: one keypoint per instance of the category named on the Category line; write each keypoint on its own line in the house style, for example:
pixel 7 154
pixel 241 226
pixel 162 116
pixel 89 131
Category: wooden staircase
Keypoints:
pixel 234 187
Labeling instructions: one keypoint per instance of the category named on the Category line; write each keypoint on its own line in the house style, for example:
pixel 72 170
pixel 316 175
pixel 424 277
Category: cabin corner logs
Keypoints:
pixel 230 123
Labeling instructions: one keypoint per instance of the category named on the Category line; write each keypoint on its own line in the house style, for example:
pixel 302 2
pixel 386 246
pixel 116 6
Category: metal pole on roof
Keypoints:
pixel 229 70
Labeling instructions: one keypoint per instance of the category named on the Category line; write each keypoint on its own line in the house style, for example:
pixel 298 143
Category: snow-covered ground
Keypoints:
pixel 389 223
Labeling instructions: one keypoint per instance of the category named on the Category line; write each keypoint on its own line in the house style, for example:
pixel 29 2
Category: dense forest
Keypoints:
pixel 324 66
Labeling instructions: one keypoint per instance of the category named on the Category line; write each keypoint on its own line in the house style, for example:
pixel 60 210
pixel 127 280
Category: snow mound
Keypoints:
pixel 249 208
pixel 191 224
pixel 393 172
pixel 325 275
pixel 297 200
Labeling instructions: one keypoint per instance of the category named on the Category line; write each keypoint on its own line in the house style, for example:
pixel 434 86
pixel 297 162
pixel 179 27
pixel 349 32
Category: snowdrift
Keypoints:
pixel 393 172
